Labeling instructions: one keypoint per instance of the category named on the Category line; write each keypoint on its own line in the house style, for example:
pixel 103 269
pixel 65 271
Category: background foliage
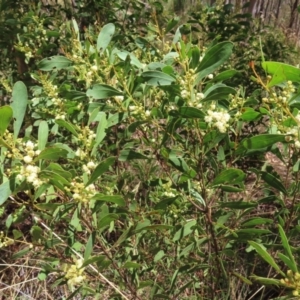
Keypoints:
pixel 146 155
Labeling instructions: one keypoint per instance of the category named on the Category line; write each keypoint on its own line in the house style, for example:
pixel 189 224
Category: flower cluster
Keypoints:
pixel 27 171
pixel 81 193
pixel 4 240
pixel 218 119
pixel 87 136
pixel 292 281
pixel 13 150
pixel 139 111
pixel 235 101
pixel 281 98
pixel 293 134
pixel 90 166
pixel 187 84
pixel 74 273
pixel 29 147
pixel 30 174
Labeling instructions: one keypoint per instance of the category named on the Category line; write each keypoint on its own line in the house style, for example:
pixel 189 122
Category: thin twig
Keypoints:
pixel 80 256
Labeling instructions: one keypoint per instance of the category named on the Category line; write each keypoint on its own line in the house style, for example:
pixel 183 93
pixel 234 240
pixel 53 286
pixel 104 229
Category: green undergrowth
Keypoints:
pixel 136 165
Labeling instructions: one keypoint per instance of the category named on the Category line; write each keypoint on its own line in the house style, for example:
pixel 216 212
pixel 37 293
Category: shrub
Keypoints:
pixel 126 171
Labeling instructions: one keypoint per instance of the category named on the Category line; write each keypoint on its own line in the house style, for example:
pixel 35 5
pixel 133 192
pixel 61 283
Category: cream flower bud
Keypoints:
pixel 27 159
pixel 94 68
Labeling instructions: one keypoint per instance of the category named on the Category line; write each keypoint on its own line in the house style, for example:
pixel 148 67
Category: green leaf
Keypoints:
pixel 43 135
pixel 102 91
pixel 143 284
pixel 5 191
pixel 154 227
pixel 177 36
pixel 252 231
pixel 123 55
pixel 262 141
pixel 257 221
pixel 89 245
pixel 180 164
pixel 159 255
pixel 101 131
pixel 70 127
pixel 116 119
pixel 59 170
pixel 286 246
pixel 42 276
pixel 106 220
pixel 244 279
pixel 266 256
pixel 54 63
pixel 197 197
pixel 273 181
pixel 93 259
pixel 117 199
pixel 55 178
pixel 126 155
pixel 250 116
pixel 239 204
pixel 228 74
pixel 218 92
pixel 127 233
pixel 185 230
pixel 17 234
pixel 52 154
pixel 267 281
pixel 105 37
pixel 100 169
pixel 36 233
pixel 287 262
pixel 231 176
pixel 157 78
pixel 76 28
pixel 195 57
pixel 131 265
pixel 188 112
pixel 19 105
pixel 6 115
pixel 214 58
pixel 171 24
pixel 281 72
pixel 230 189
pixel 21 253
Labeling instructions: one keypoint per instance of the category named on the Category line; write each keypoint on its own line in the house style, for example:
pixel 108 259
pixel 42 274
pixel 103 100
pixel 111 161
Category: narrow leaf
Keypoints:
pixel 102 91
pixel 262 141
pixel 19 105
pixel 6 115
pixel 266 256
pixel 286 246
pixel 54 63
pixel 100 169
pixel 273 181
pixel 232 176
pixel 105 37
pixel 70 127
pixel 52 154
pixel 43 135
pixel 89 246
pixel 5 192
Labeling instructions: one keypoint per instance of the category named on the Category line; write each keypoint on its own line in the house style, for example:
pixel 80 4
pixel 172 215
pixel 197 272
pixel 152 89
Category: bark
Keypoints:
pixel 293 13
pixel 266 9
pixel 270 11
pixel 252 9
pixel 278 10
